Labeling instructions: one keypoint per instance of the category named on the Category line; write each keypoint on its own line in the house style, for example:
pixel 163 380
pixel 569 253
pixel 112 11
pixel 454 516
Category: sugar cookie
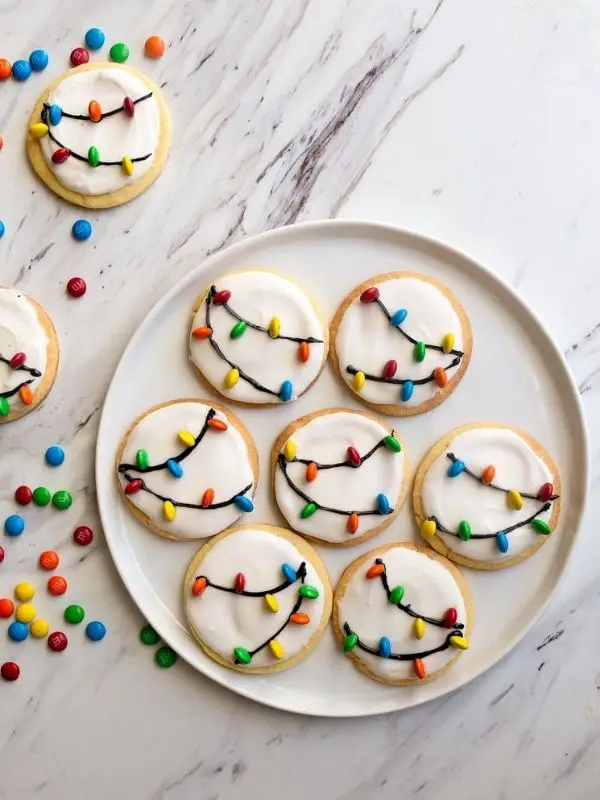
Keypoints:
pixel 187 469
pixel 257 598
pixel 258 338
pixel 402 614
pixel 401 342
pixel 340 476
pixel 28 354
pixel 487 496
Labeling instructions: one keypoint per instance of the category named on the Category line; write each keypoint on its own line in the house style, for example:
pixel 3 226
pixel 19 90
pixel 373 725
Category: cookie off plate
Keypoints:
pixel 516 377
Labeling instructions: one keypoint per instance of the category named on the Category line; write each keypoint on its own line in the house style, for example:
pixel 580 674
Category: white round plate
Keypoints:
pixel 517 376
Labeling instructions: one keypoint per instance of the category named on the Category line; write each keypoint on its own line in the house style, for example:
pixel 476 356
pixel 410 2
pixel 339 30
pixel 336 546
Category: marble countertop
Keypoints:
pixel 477 123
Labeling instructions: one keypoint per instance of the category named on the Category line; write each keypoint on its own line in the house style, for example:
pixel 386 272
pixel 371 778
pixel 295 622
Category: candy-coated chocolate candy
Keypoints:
pixel 17 360
pixel 539 526
pixel 14 525
pixel 93 156
pixel 10 671
pixel 244 503
pixel 241 656
pixel 199 586
pixel 127 166
pixel 81 230
pixel 26 395
pixel 396 595
pixel 487 476
pixel 48 560
pixel 207 498
pixel 374 571
pixel 286 391
pixel 62 499
pixel 95 631
pixel 428 529
pixel 175 468
pixel 448 343
pixel 1 139
pixel 38 60
pixel 440 377
pixel 201 333
pixel 514 500
pixel 57 585
pixel 154 47
pixel 390 368
pixel 419 628
pixel 308 510
pixel 26 613
pixel 289 573
pixel 7 607
pixel 76 287
pixel 1 554
pixel 455 468
pixel 169 511
pixel 231 378
pixel 419 352
pixel 450 617
pixel 353 456
pixel 94 111
pixel 303 352
pixel 217 425
pixel 222 297
pixel 274 327
pixel 5 69
pixel 4 407
pixel 119 52
pixel 2 231
pixel 238 329
pixel 240 582
pixel 129 106
pixel 141 459
pixel 385 647
pixel 55 456
pixel 55 115
pixel 39 628
pixel 311 472
pixel 370 295
pixel 18 631
pixel 460 642
pixel 134 486
pixel 358 381
pixel 383 504
pixel 165 657
pixel 350 642
pixel 79 56
pixel 21 70
pixel 464 530
pixel 60 156
pixel 41 496
pixel 407 390
pixel 186 438
pixel 545 492
pixel 398 317
pixel 289 450
pixel 276 648
pixel 82 535
pixel 24 591
pixel 352 523
pixel 309 592
pixel 271 603
pixel 149 636
pixel 57 641
pixel 502 542
pixel 38 130
pixel 74 614
pixel 300 619
pixel 392 444
pixel 419 668
pixel 94 38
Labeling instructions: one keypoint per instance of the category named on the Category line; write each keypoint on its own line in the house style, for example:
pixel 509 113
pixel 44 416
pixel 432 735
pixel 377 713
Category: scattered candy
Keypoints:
pixel 83 535
pixel 57 641
pixel 55 456
pixel 7 608
pixel 5 69
pixel 41 496
pixel 119 52
pixel 74 614
pixel 38 60
pixel 39 628
pixel 2 229
pixel 76 287
pixel 10 671
pixel 21 70
pixel 1 554
pixel 48 560
pixel 57 585
pixel 1 139
pixel 18 631
pixel 149 636
pixel 14 525
pixel 95 631
pixel 81 230
pixel 62 500
pixel 154 47
pixel 94 38
pixel 79 56
pixel 24 591
pixel 165 657
pixel 26 613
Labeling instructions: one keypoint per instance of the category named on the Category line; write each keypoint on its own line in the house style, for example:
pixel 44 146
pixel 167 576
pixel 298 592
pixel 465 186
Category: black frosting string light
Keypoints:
pixel 17 363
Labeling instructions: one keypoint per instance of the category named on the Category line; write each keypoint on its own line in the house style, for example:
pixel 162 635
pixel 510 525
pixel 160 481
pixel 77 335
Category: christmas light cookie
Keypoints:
pixel 487 496
pixel 28 354
pixel 401 342
pixel 402 614
pixel 258 338
pixel 99 135
pixel 340 476
pixel 188 469
pixel 257 598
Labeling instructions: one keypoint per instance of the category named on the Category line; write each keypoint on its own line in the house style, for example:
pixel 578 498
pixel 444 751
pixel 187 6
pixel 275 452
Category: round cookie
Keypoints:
pixel 257 338
pixel 28 354
pixel 487 496
pixel 257 598
pixel 402 614
pixel 99 135
pixel 187 469
pixel 339 476
pixel 401 342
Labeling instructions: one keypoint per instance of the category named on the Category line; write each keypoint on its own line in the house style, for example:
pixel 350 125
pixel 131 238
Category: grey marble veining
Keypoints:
pixel 474 122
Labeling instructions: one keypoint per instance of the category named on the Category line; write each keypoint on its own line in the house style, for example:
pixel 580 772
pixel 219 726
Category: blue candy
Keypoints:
pixel 55 456
pixel 14 525
pixel 385 647
pixel 95 38
pixel 21 70
pixel 95 631
pixel 408 388
pixel 455 468
pixel 175 468
pixel 81 230
pixel 55 114
pixel 244 503
pixel 38 60
pixel 18 631
pixel 398 317
pixel 286 390
pixel 502 542
pixel 2 229
pixel 383 504
pixel 289 572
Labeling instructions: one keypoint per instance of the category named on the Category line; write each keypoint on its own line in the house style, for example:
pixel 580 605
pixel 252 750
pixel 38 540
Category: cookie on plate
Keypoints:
pixel 402 614
pixel 187 469
pixel 99 135
pixel 487 496
pixel 340 476
pixel 28 354
pixel 401 342
pixel 258 338
pixel 257 598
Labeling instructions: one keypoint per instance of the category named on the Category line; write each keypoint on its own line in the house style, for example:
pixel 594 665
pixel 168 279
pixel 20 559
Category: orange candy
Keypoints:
pixel 49 560
pixel 94 111
pixel 208 497
pixel 57 585
pixel 304 352
pixel 26 395
pixel 487 476
pixel 5 69
pixel 199 586
pixel 352 524
pixel 311 471
pixel 6 608
pixel 1 143
pixel 440 377
pixel 420 670
pixel 300 619
pixel 217 425
pixel 154 47
pixel 375 570
pixel 201 333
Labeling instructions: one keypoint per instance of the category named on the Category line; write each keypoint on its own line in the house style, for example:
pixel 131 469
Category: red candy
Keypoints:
pixel 23 495
pixel 48 560
pixel 221 297
pixel 450 617
pixel 545 493
pixel 1 554
pixel 83 535
pixel 353 456
pixel 240 582
pixel 76 287
pixel 60 156
pixel 10 671
pixel 134 486
pixel 6 608
pixel 370 295
pixel 57 641
pixel 390 368
pixel 129 106
pixel 57 585
pixel 17 360
pixel 79 56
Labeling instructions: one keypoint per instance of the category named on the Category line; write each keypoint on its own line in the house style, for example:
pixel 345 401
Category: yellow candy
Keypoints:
pixel 276 648
pixel 515 501
pixel 419 628
pixel 289 451
pixel 359 381
pixel 428 529
pixel 127 166
pixel 448 342
pixel 25 612
pixel 39 628
pixel 274 328
pixel 459 642
pixel 232 378
pixel 169 511
pixel 38 130
pixel 24 591
pixel 272 603
pixel 186 438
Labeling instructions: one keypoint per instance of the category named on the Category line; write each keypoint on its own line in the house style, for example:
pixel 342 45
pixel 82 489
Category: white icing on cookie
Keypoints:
pixel 259 297
pixel 463 498
pixel 220 461
pixel 115 137
pixel 367 341
pixel 225 621
pixel 429 588
pixel 20 332
pixel 325 439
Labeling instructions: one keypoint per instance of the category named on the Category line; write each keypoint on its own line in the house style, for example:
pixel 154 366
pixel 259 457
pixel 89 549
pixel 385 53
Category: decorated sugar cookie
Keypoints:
pixel 402 614
pixel 401 342
pixel 257 598
pixel 340 476
pixel 487 496
pixel 257 338
pixel 188 469
pixel 99 135
pixel 28 354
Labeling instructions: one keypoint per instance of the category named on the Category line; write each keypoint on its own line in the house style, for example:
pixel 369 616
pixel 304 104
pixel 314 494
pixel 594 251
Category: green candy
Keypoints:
pixel 4 407
pixel 93 156
pixel 141 459
pixel 308 510
pixel 350 642
pixel 396 595
pixel 119 52
pixel 62 499
pixel 308 591
pixel 238 330
pixel 392 444
pixel 464 531
pixel 419 351
pixel 74 614
pixel 41 496
pixel 539 526
pixel 148 635
pixel 241 656
pixel 165 657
